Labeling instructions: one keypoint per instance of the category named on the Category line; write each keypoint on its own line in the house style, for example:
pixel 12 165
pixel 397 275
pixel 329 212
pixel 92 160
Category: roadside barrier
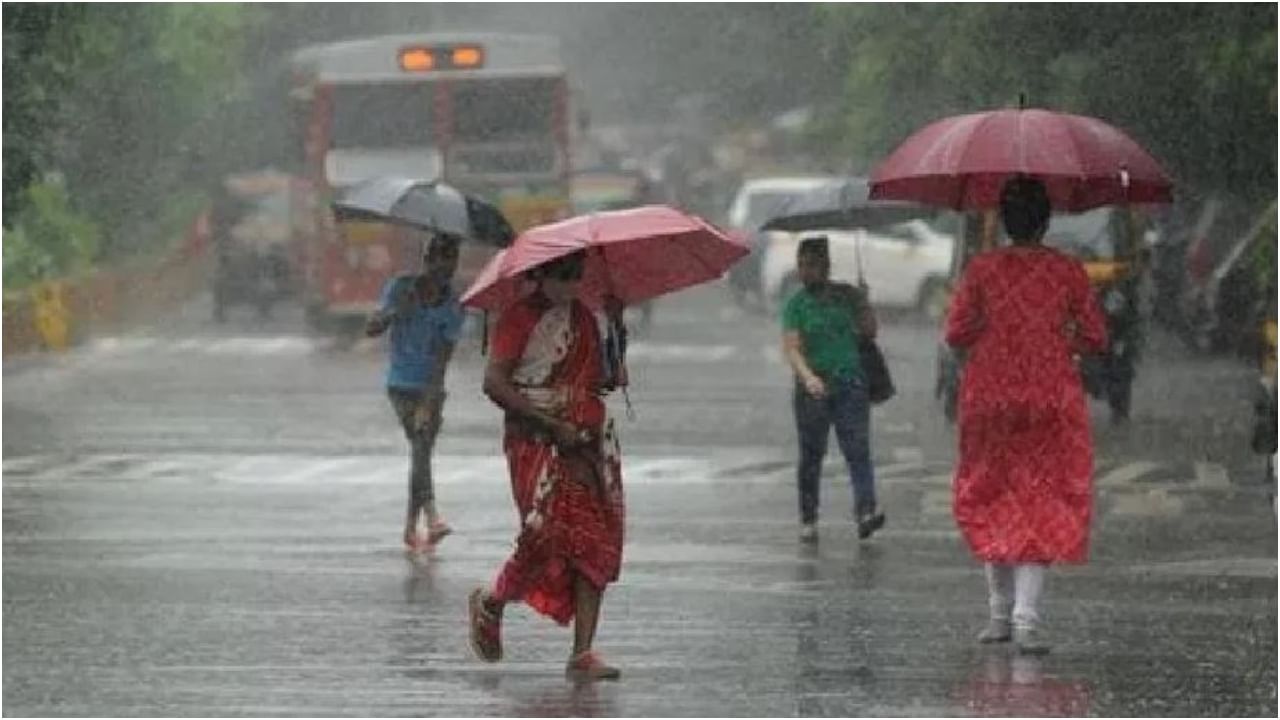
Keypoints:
pixel 55 315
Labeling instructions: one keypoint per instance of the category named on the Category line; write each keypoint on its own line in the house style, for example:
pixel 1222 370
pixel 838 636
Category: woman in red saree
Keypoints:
pixel 1022 494
pixel 546 372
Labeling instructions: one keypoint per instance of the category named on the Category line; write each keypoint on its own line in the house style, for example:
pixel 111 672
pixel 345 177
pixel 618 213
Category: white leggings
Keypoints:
pixel 1015 592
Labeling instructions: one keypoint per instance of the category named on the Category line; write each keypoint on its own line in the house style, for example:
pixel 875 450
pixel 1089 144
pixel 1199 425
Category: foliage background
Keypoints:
pixel 118 117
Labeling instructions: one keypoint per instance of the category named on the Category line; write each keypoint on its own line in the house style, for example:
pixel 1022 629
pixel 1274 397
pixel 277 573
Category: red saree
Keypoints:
pixel 571 505
pixel 1022 490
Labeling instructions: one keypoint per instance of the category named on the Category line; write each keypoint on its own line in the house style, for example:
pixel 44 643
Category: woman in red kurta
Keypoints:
pixel 1022 494
pixel 546 372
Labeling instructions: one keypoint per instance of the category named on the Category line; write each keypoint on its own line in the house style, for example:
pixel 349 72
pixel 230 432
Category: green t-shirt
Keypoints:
pixel 826 326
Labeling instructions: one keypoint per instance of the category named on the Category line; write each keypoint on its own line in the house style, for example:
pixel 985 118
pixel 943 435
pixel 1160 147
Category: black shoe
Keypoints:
pixel 869 523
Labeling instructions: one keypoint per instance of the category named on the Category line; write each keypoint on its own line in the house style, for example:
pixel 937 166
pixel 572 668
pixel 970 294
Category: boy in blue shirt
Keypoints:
pixel 424 317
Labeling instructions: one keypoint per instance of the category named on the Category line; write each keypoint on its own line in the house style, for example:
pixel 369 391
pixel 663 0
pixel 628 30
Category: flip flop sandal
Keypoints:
pixel 437 532
pixel 588 666
pixel 486 628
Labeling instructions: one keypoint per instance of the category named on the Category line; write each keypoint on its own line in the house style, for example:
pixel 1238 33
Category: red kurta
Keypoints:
pixel 571 506
pixel 1023 488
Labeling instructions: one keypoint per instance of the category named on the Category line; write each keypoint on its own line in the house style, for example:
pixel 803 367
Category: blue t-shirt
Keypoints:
pixel 416 338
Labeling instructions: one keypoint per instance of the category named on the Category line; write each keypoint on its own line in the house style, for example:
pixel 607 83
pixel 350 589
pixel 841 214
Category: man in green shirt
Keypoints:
pixel 821 325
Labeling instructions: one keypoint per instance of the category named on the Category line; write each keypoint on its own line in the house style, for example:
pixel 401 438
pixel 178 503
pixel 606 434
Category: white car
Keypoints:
pixel 906 265
pixel 757 201
pixel 760 199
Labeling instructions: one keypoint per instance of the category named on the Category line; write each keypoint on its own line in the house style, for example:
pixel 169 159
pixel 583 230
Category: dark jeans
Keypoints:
pixel 847 408
pixel 422 442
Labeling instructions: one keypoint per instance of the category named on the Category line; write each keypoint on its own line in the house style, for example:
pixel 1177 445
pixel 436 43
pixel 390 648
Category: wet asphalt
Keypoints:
pixel 203 519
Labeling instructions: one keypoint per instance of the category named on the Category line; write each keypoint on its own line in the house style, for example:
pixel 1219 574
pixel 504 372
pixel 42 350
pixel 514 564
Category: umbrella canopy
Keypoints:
pixel 962 162
pixel 426 205
pixel 842 205
pixel 634 255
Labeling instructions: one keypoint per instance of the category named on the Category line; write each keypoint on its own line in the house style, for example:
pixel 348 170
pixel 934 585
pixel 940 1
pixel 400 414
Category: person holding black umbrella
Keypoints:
pixel 425 318
pixel 822 324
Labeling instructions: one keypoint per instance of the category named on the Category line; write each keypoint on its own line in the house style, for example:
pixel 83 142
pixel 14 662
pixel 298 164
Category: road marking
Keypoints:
pixel 1127 473
pixel 293 345
pixel 1211 475
pixel 665 352
pixel 772 355
pixel 935 502
pixel 221 346
pixel 909 455
pixel 1152 503
pixel 325 467
pixel 1263 567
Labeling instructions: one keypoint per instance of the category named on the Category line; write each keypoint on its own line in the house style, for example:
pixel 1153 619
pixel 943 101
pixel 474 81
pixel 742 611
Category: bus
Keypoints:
pixel 487 113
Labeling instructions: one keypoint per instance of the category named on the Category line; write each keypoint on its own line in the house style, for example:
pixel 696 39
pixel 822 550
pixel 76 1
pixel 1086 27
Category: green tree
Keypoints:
pixel 1194 83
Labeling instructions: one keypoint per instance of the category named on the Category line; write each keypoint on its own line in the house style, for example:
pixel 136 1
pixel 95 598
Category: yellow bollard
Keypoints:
pixel 51 316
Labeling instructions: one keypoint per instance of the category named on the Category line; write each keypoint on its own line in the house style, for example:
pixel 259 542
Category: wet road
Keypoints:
pixel 205 520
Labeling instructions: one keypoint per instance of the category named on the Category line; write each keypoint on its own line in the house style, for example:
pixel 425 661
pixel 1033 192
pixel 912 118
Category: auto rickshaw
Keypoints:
pixel 250 222
pixel 1108 241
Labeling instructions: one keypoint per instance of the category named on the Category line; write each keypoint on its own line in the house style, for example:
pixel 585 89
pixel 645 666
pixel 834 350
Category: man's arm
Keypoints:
pixel 377 323
pixel 395 297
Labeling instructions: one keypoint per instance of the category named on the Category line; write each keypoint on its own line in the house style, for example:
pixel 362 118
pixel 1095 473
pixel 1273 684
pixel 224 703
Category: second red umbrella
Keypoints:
pixel 634 255
pixel 961 162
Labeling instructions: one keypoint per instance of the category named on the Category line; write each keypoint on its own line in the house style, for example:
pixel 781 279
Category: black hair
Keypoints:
pixel 553 267
pixel 815 246
pixel 1024 208
pixel 442 241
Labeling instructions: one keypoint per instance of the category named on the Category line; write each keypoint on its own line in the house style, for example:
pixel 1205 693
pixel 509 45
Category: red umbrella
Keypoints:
pixel 633 254
pixel 962 162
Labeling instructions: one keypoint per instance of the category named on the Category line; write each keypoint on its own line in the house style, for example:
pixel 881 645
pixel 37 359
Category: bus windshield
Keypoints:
pixel 388 115
pixel 503 110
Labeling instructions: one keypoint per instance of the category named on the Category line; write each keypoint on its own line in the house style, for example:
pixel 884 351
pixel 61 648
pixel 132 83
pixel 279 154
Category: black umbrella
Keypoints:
pixel 843 205
pixel 426 205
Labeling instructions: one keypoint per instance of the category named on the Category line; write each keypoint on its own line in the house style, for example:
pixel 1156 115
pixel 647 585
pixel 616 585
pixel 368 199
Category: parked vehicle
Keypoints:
pixel 1108 242
pixel 905 264
pixel 1224 309
pixel 252 227
pixel 757 201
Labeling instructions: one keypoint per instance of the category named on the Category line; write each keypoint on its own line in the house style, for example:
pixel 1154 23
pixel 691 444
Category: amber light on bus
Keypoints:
pixel 417 60
pixel 467 56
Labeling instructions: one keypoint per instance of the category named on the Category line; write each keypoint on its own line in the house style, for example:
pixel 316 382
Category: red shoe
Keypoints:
pixel 414 543
pixel 587 666
pixel 438 531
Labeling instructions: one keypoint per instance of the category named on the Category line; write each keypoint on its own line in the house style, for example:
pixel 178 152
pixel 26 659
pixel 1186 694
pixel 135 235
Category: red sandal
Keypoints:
pixel 587 666
pixel 438 531
pixel 486 628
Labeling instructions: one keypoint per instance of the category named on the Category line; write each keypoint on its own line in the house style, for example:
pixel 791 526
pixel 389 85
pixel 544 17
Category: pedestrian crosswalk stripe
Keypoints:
pixel 328 468
pixel 641 351
pixel 645 352
pixel 232 346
